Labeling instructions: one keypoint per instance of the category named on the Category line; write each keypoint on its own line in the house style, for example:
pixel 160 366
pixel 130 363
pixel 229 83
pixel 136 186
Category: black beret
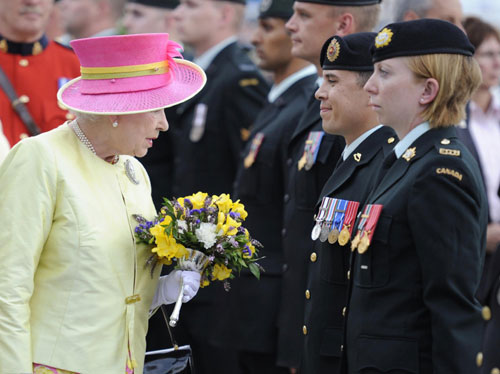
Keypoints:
pixel 166 4
pixel 420 37
pixel 343 2
pixel 351 52
pixel 276 9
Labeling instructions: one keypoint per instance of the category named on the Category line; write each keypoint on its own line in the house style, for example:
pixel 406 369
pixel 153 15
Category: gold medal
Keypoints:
pixel 344 236
pixel 355 242
pixel 333 236
pixel 248 161
pixel 363 244
pixel 302 162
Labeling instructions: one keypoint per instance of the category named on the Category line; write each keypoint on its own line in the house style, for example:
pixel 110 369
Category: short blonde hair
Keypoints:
pixel 458 77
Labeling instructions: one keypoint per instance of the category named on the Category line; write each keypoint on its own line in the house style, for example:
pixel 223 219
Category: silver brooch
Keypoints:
pixel 129 170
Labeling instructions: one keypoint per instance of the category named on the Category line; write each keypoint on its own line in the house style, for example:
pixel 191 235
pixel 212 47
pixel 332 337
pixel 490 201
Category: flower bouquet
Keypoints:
pixel 201 233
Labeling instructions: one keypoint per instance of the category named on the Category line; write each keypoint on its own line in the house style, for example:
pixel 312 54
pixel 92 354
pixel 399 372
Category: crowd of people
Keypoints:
pixel 367 157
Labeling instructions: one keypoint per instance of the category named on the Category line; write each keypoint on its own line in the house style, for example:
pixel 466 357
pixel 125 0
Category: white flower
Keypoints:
pixel 206 234
pixel 182 226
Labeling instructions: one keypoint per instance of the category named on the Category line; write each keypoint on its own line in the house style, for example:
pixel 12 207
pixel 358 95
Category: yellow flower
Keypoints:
pixel 204 283
pixel 166 246
pixel 220 272
pixel 224 202
pixel 198 199
pixel 240 208
pixel 231 226
pixel 252 251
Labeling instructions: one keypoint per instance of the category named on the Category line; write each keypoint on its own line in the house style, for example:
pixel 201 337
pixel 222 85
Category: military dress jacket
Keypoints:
pixel 36 71
pixel 302 189
pixel 326 292
pixel 210 130
pixel 74 290
pixel 412 305
pixel 259 186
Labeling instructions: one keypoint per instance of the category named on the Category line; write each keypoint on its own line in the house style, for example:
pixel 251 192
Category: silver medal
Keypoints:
pixel 316 231
pixel 325 230
pixel 129 170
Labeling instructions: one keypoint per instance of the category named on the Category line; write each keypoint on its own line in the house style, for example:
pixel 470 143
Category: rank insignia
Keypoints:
pixel 333 50
pixel 383 38
pixel 249 82
pixel 357 157
pixel 449 152
pixel 409 153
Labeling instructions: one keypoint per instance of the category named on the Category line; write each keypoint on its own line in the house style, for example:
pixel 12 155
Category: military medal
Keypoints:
pixel 355 242
pixel 373 214
pixel 316 231
pixel 333 236
pixel 129 170
pixel 325 230
pixel 314 141
pixel 302 162
pixel 348 224
pixel 254 150
pixel 361 225
pixel 338 221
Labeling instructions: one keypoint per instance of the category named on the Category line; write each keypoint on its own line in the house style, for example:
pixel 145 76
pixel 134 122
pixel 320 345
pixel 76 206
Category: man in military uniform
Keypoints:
pixel 259 185
pixel 35 66
pixel 311 154
pixel 208 134
pixel 150 16
pixel 347 65
pixel 447 10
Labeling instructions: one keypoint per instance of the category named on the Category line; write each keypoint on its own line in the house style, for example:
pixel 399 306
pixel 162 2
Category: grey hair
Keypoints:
pixel 420 7
pixel 87 117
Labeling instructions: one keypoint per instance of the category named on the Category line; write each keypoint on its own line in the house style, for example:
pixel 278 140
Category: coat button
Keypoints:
pixel 24 99
pixel 308 294
pixel 284 267
pixel 289 162
pixel 283 232
pixel 344 310
pixel 342 348
pixel 479 359
pixel 495 371
pixel 286 198
pixel 304 330
pixel 23 136
pixel 70 116
pixel 348 274
pixel 391 140
pixel 23 62
pixel 486 312
pixel 314 257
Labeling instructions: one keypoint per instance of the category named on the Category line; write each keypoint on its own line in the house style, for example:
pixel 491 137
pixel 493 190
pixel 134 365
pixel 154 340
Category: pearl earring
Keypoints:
pixel 115 124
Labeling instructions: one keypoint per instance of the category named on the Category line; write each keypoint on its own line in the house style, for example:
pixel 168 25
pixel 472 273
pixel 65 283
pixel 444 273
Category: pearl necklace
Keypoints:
pixel 81 136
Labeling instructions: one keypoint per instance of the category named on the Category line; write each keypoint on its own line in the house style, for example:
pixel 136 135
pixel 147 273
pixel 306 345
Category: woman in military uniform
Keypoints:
pixel 419 246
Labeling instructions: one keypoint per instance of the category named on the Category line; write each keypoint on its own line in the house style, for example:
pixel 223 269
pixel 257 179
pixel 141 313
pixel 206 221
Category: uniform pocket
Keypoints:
pixel 386 355
pixel 334 262
pixel 372 268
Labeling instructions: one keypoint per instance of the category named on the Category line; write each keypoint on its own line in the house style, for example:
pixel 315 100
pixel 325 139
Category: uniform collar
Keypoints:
pixel 23 49
pixel 413 135
pixel 278 89
pixel 206 58
pixel 351 147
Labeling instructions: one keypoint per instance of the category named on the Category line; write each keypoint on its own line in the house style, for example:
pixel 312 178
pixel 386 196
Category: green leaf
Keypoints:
pixel 255 270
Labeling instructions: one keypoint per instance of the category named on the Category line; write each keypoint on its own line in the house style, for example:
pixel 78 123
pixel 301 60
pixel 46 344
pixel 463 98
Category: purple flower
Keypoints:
pixel 247 250
pixel 211 258
pixel 233 242
pixel 219 248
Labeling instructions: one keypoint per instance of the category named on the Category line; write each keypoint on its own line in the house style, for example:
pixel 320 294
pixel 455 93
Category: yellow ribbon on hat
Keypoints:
pixel 129 71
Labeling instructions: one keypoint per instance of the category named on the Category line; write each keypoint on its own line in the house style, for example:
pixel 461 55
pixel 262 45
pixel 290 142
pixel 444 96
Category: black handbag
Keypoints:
pixel 175 360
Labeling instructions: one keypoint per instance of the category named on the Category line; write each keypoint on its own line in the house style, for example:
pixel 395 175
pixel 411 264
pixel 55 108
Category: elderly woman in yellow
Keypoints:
pixel 74 290
pixel 4 144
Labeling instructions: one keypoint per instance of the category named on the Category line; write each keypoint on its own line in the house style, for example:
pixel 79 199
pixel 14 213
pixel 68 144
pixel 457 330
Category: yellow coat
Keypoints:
pixel 68 258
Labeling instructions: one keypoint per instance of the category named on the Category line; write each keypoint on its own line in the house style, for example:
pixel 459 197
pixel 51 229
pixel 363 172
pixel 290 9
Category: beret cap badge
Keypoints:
pixel 333 50
pixel 383 38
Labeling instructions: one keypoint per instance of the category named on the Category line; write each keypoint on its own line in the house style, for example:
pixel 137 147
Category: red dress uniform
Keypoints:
pixel 35 70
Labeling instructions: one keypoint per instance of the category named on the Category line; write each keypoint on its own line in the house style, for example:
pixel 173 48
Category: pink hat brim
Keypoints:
pixel 188 80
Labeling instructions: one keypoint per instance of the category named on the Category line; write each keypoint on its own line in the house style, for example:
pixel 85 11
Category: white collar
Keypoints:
pixel 413 135
pixel 360 139
pixel 205 59
pixel 278 89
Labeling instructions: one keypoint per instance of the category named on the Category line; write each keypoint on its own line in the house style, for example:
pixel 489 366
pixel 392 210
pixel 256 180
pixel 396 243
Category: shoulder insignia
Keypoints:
pixel 451 172
pixel 249 82
pixel 449 152
pixel 391 140
pixel 409 153
pixel 445 141
pixel 357 157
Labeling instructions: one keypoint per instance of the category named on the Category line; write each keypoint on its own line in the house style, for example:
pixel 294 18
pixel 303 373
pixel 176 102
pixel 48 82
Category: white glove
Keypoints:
pixel 169 287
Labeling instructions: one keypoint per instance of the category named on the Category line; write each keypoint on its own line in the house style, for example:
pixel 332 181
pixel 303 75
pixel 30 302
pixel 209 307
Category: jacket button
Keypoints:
pixel 342 348
pixel 304 330
pixel 495 371
pixel 23 62
pixel 486 312
pixel 348 274
pixel 308 294
pixel 344 310
pixel 286 198
pixel 284 267
pixel 289 162
pixel 479 359
pixel 314 257
pixel 283 232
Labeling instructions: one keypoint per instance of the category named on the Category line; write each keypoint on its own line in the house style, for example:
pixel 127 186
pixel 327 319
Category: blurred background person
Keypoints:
pixel 262 346
pixel 35 67
pixel 446 10
pixel 482 136
pixel 150 16
pixel 90 18
pixel 208 134
pixel 311 156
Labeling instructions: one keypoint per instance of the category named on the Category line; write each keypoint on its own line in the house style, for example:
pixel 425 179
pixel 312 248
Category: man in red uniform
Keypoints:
pixel 35 66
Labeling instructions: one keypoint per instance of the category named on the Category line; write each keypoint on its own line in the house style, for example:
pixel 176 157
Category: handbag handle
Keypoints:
pixel 172 339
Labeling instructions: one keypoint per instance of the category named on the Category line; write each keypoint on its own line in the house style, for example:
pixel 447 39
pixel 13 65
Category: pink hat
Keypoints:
pixel 126 74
